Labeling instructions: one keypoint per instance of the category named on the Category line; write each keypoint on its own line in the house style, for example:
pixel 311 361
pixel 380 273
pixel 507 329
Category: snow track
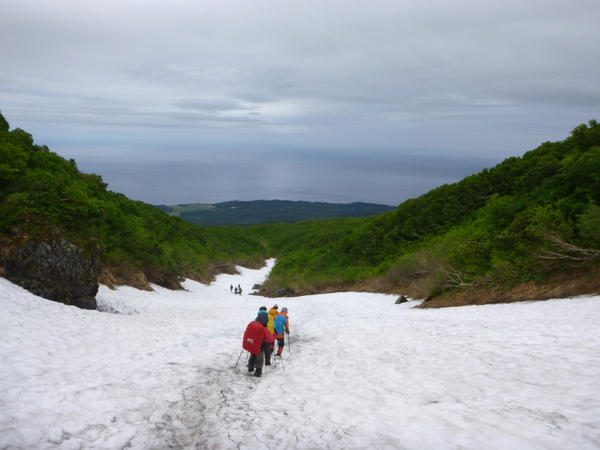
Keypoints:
pixel 360 373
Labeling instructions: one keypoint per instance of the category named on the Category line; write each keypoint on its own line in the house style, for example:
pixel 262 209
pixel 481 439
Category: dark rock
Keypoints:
pixel 256 287
pixel 281 292
pixel 57 270
pixel 86 303
pixel 401 299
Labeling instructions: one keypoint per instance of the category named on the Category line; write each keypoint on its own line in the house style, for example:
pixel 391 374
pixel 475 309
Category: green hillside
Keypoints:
pixel 177 210
pixel 509 232
pixel 534 218
pixel 270 211
pixel 43 196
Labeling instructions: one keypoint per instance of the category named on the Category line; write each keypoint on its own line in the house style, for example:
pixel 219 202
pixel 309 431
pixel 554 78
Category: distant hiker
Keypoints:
pixel 282 326
pixel 239 288
pixel 254 337
pixel 231 288
pixel 235 292
pixel 268 346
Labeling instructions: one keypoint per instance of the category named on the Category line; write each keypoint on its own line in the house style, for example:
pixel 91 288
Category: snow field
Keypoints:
pixel 359 372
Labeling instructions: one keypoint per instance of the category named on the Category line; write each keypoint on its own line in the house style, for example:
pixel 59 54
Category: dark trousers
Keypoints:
pixel 267 351
pixel 256 361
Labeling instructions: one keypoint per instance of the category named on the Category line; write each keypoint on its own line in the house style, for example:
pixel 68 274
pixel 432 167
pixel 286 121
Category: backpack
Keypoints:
pixel 280 322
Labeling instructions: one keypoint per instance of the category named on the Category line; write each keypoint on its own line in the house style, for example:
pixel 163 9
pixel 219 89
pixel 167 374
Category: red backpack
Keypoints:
pixel 254 337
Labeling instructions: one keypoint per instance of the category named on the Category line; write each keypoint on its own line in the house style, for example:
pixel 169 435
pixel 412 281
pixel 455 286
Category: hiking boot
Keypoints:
pixel 250 368
pixel 258 372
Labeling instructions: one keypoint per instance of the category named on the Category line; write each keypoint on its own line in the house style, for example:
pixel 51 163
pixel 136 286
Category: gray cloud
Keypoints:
pixel 466 78
pixel 212 105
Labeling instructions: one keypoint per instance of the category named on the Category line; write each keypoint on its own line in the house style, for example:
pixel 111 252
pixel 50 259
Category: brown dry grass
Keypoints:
pixel 564 286
pixel 161 277
pixel 583 283
pixel 254 264
pixel 120 276
pixel 560 287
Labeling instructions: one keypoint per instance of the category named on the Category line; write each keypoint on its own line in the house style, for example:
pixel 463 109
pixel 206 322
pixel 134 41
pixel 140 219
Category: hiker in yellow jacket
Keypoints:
pixel 274 311
pixel 268 347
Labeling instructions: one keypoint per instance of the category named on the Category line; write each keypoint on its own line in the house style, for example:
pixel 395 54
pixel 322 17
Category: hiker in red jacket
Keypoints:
pixel 255 335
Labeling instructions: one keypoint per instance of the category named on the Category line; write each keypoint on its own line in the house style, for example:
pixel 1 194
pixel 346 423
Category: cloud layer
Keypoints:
pixel 461 80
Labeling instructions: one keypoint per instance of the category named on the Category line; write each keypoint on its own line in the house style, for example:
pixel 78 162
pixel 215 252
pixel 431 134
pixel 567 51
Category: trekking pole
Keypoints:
pixel 289 345
pixel 238 359
pixel 282 364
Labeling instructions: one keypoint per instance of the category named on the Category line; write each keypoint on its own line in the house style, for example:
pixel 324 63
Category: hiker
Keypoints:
pixel 239 288
pixel 255 335
pixel 235 292
pixel 268 346
pixel 273 311
pixel 231 288
pixel 282 326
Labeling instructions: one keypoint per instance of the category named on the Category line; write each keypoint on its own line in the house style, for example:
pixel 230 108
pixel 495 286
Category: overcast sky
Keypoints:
pixel 331 100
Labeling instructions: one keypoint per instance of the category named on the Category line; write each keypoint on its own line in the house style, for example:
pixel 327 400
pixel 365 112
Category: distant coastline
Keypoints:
pixel 270 211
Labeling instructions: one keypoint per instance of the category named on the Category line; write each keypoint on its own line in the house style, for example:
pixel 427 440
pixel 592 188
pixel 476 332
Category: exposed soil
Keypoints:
pixel 560 287
pixel 564 286
pixel 115 277
pixel 127 275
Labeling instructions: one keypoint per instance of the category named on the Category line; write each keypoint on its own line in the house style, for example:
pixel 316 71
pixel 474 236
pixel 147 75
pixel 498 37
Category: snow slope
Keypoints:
pixel 360 372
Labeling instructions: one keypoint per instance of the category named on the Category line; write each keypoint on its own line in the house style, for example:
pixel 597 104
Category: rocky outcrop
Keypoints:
pixel 282 292
pixel 401 299
pixel 58 270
